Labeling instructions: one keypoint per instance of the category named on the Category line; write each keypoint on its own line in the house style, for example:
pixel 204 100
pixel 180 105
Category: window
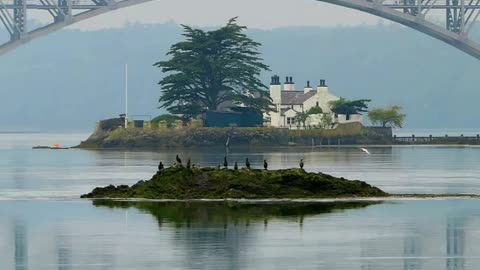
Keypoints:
pixel 290 120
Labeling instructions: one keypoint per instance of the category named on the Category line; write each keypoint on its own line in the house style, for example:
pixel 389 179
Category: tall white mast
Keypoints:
pixel 126 95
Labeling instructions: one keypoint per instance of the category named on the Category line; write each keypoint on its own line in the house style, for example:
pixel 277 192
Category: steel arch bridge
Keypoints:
pixel 458 15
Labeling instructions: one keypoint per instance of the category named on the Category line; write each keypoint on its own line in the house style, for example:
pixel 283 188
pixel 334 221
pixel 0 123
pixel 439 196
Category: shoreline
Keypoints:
pixel 108 136
pixel 393 197
pixel 150 149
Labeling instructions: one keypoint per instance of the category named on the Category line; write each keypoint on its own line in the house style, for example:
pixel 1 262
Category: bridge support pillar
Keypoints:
pixel 19 19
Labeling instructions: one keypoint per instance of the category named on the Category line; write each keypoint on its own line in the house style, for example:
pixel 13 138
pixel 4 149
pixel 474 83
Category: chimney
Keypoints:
pixel 275 80
pixel 308 88
pixel 322 89
pixel 276 90
pixel 289 85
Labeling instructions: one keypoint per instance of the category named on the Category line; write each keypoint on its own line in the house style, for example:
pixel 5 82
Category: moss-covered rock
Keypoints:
pixel 210 183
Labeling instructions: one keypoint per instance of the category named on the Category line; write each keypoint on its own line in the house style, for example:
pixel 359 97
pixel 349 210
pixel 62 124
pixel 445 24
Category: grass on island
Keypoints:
pixel 211 183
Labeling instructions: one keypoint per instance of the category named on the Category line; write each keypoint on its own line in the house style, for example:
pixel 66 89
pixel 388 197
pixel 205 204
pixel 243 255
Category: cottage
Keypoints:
pixel 289 102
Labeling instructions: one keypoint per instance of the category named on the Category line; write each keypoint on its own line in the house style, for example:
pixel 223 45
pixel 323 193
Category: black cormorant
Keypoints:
pixel 225 162
pixel 189 163
pixel 247 163
pixel 236 166
pixel 179 161
pixel 301 164
pixel 265 164
pixel 160 166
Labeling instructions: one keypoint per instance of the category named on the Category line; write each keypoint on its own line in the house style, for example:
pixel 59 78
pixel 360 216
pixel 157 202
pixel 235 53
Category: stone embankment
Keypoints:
pixel 109 134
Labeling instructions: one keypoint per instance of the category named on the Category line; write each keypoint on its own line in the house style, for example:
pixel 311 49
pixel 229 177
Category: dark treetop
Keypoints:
pixel 349 107
pixel 212 67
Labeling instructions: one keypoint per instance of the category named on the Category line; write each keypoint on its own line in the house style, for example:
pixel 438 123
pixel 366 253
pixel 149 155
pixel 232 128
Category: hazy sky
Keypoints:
pixel 263 14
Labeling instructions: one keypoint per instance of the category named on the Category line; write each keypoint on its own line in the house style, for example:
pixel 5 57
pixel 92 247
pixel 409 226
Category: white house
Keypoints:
pixel 288 102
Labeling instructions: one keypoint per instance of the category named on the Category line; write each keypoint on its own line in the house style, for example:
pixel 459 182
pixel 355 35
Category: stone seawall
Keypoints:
pixel 107 136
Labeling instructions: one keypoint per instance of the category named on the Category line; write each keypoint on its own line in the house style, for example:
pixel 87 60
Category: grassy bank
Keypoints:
pixel 153 138
pixel 209 183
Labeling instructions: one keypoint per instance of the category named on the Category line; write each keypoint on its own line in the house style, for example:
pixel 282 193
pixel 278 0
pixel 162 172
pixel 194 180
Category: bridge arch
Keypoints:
pixel 460 17
pixel 418 22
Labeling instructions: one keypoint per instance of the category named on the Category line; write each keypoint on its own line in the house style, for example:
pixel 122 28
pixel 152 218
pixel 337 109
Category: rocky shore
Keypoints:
pixel 110 135
pixel 212 183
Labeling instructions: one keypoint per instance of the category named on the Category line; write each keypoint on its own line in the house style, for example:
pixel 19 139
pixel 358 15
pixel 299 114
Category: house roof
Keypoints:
pixel 284 110
pixel 296 97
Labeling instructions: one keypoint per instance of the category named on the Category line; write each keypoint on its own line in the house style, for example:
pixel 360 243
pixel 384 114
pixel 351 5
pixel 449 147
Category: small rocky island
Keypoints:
pixel 212 183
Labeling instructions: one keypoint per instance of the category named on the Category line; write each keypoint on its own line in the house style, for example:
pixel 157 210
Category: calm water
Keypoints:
pixel 43 224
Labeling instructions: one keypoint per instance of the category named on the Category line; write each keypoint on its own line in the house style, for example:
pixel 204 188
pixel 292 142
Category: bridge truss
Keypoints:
pixel 457 17
pixel 447 20
pixel 13 16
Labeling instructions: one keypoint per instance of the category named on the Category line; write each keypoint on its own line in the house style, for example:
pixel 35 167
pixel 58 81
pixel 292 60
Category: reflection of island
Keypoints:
pixel 218 234
pixel 412 250
pixel 224 213
pixel 64 251
pixel 21 246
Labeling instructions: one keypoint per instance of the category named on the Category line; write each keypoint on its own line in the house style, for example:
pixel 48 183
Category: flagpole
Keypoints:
pixel 126 95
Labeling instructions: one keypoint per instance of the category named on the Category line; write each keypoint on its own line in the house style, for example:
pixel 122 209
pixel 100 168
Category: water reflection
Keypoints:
pixel 412 249
pixel 21 245
pixel 226 214
pixel 217 235
pixel 455 243
pixel 64 250
pixel 400 235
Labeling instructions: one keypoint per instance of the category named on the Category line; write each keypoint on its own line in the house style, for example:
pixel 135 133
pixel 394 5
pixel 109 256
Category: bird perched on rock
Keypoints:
pixel 235 167
pixel 247 163
pixel 160 166
pixel 189 164
pixel 265 164
pixel 225 162
pixel 301 164
pixel 179 161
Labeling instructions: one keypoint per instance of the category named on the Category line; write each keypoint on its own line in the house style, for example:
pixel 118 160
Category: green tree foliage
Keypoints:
pixel 301 118
pixel 212 67
pixel 315 110
pixel 170 119
pixel 388 117
pixel 349 107
pixel 327 120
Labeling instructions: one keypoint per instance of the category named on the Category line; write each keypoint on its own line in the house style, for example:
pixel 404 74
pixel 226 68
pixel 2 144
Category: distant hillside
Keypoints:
pixel 70 79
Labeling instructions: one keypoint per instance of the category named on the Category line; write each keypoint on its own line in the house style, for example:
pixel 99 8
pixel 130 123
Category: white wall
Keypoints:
pixel 323 97
pixel 275 93
pixel 342 118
